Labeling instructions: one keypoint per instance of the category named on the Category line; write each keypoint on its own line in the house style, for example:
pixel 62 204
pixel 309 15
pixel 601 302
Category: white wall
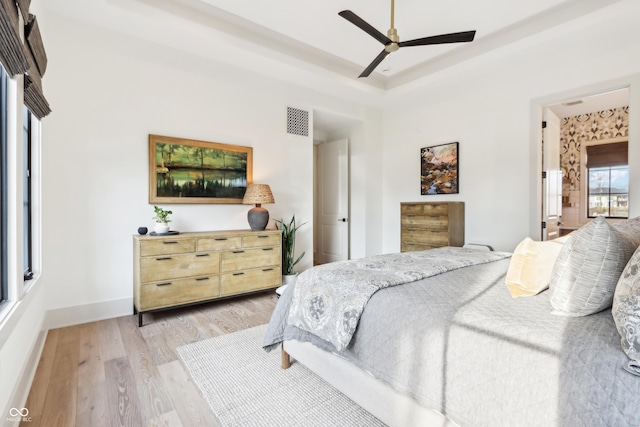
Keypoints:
pixel 490 106
pixel 108 92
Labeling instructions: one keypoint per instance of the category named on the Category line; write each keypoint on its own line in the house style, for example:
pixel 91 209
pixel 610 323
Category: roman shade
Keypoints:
pixel 12 52
pixel 29 58
pixel 608 155
pixel 33 95
pixel 24 7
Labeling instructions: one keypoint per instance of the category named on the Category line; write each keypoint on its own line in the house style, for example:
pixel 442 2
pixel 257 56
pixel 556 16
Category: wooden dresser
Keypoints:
pixel 427 225
pixel 188 268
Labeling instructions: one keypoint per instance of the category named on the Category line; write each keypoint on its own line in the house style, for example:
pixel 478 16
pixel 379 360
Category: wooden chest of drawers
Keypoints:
pixel 188 268
pixel 427 225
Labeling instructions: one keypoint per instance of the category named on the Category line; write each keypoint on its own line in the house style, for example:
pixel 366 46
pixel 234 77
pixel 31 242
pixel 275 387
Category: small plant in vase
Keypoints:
pixel 288 249
pixel 162 220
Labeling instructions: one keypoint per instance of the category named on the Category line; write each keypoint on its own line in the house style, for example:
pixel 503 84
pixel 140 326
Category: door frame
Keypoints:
pixel 536 110
pixel 345 245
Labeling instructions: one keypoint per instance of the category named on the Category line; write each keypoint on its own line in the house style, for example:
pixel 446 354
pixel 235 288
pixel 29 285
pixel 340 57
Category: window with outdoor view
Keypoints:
pixel 608 180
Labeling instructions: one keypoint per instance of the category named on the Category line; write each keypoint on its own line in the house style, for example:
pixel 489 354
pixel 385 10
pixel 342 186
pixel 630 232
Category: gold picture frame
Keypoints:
pixel 191 171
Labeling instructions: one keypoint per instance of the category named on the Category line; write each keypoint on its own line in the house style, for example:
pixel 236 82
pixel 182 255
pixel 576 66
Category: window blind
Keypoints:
pixel 608 155
pixel 33 95
pixel 12 51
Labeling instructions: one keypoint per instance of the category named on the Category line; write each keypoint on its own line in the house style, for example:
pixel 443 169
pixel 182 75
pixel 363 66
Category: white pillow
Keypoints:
pixel 531 266
pixel 626 311
pixel 588 268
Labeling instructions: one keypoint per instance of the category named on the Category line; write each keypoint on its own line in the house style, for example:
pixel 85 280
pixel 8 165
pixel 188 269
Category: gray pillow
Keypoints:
pixel 588 267
pixel 626 311
pixel 631 229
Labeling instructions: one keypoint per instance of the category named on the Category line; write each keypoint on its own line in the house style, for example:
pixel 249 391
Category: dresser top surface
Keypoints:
pixel 197 234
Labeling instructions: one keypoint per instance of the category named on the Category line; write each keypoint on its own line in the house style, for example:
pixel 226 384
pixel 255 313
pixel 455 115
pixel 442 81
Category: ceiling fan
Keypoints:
pixel 391 41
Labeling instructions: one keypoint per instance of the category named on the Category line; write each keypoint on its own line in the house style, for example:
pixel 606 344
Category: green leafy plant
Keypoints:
pixel 161 215
pixel 289 244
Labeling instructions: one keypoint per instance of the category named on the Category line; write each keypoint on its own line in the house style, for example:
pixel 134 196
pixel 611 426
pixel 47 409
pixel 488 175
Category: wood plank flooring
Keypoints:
pixel 112 373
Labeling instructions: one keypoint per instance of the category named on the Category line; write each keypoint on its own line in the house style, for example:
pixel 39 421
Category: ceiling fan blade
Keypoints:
pixel 365 26
pixel 374 64
pixel 465 36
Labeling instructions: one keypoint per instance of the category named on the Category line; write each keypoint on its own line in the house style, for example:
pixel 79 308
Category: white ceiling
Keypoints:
pixel 318 24
pixel 592 103
pixel 294 38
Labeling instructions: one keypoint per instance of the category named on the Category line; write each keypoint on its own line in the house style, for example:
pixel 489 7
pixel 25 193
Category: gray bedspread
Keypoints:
pixel 329 299
pixel 458 343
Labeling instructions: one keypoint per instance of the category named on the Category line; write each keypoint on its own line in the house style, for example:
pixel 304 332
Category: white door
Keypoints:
pixel 552 177
pixel 332 178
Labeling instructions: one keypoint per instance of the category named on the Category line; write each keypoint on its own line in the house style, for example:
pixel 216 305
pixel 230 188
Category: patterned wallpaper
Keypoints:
pixel 601 125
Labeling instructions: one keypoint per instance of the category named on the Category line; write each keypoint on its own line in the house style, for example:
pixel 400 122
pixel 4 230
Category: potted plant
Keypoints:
pixel 288 249
pixel 162 220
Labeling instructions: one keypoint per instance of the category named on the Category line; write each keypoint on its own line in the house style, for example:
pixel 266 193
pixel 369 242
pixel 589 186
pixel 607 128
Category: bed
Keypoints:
pixel 454 348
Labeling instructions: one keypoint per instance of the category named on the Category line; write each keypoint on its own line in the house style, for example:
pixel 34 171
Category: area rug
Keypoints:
pixel 245 386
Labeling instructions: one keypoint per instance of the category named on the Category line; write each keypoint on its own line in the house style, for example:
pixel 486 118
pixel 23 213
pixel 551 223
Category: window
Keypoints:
pixel 608 180
pixel 4 78
pixel 27 241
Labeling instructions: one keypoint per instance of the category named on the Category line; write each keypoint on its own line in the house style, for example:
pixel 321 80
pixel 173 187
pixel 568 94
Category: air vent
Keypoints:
pixel 297 122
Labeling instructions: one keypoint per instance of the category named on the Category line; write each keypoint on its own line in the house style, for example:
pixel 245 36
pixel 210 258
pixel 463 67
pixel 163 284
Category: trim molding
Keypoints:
pixel 85 313
pixel 23 387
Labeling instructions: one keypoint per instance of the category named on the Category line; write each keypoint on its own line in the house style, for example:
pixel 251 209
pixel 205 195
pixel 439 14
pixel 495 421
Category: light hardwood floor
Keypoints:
pixel 112 373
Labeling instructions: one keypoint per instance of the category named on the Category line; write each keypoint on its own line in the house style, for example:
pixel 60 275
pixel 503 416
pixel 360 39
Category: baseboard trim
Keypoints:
pixel 85 313
pixel 23 387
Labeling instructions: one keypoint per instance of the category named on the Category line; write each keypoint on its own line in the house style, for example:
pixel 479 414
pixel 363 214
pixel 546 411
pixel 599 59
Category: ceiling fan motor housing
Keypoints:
pixel 393 36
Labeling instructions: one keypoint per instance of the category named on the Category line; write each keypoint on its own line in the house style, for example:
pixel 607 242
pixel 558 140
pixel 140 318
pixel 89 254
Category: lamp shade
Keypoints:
pixel 257 194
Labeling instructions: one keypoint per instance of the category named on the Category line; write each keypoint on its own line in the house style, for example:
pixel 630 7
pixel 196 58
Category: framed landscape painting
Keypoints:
pixel 190 171
pixel 439 169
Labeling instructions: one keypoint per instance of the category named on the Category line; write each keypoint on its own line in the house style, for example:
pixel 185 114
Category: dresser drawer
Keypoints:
pixel 259 240
pixel 425 209
pixel 430 222
pixel 181 291
pixel 250 280
pixel 428 237
pixel 219 243
pixel 175 266
pixel 167 246
pixel 250 258
pixel 410 247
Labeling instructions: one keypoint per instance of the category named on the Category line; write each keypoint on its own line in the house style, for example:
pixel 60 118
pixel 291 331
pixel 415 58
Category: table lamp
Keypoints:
pixel 257 194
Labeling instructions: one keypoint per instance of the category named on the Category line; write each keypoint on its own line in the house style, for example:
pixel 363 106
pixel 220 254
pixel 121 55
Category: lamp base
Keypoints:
pixel 258 218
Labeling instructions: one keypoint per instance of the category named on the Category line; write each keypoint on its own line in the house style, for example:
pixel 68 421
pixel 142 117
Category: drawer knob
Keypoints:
pixel 163 284
pixel 170 242
pixel 163 258
pixel 199 279
pixel 220 238
pixel 262 237
pixel 267 269
pixel 267 249
pixel 238 252
pixel 200 255
pixel 238 274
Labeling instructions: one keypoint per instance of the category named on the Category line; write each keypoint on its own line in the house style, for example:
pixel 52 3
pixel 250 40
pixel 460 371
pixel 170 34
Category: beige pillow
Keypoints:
pixel 531 266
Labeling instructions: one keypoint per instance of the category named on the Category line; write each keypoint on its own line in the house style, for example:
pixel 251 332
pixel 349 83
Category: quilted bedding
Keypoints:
pixel 459 344
pixel 329 299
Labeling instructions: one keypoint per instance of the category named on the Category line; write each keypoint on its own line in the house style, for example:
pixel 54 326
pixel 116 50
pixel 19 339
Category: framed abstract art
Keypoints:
pixel 439 169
